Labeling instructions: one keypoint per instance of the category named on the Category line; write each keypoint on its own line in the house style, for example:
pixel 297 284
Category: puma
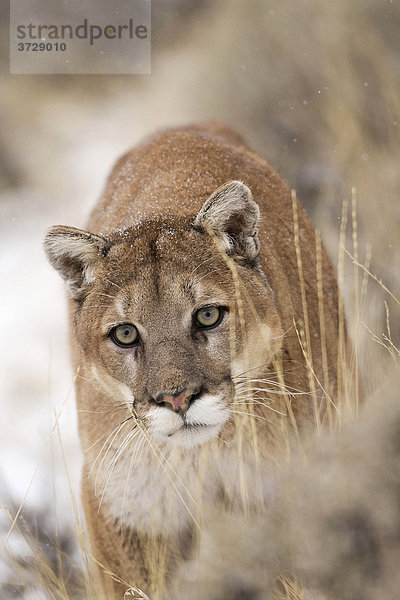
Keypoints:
pixel 204 329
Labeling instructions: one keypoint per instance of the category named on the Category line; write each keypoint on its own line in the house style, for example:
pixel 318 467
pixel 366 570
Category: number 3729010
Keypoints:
pixel 42 46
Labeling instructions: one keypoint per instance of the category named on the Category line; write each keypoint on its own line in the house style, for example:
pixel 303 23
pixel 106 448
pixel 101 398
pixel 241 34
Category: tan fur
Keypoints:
pixel 174 231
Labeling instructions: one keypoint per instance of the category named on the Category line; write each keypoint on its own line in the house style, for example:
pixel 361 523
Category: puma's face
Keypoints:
pixel 164 317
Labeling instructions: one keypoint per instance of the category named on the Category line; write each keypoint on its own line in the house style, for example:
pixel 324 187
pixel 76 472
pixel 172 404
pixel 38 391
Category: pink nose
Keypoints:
pixel 179 401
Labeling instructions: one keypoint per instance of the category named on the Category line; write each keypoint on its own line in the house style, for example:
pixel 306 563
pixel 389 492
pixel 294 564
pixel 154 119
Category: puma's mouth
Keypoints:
pixel 202 422
pixel 192 426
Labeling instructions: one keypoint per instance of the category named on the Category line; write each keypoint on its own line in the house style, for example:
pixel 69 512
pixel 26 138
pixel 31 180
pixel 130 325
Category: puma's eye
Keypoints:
pixel 209 316
pixel 125 335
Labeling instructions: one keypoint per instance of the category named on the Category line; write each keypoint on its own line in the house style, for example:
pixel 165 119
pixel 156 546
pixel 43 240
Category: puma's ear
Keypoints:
pixel 74 253
pixel 232 215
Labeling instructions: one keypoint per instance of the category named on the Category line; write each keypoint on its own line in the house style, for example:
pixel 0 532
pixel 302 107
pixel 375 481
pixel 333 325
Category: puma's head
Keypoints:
pixel 170 312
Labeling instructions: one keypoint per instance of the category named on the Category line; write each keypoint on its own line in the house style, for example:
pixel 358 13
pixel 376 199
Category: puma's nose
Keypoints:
pixel 178 401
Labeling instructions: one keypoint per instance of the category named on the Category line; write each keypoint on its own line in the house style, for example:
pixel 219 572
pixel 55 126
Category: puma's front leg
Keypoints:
pixel 118 555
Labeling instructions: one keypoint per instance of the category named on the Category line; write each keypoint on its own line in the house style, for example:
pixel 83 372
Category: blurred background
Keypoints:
pixel 312 85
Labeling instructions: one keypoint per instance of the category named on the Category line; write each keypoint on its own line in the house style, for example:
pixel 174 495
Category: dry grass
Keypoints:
pixel 313 86
pixel 331 529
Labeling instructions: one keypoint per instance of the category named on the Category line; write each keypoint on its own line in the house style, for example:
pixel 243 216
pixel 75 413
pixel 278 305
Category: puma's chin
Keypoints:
pixel 202 422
